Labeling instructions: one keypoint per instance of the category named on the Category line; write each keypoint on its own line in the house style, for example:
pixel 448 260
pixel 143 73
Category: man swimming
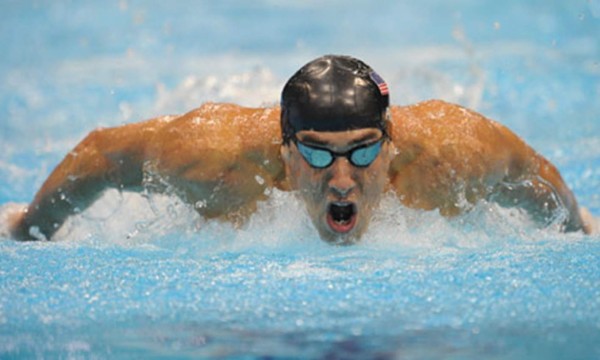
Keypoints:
pixel 335 141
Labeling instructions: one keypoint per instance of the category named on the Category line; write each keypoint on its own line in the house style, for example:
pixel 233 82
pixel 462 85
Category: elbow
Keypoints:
pixel 114 160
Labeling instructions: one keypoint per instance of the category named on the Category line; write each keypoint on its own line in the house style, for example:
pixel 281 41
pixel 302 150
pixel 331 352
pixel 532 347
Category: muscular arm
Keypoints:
pixel 111 157
pixel 220 158
pixel 214 157
pixel 449 158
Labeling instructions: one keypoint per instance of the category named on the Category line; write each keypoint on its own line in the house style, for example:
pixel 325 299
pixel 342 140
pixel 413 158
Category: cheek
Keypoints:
pixel 374 181
pixel 303 177
pixel 293 172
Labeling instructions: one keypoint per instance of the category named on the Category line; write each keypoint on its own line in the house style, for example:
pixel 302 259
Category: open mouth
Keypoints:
pixel 341 216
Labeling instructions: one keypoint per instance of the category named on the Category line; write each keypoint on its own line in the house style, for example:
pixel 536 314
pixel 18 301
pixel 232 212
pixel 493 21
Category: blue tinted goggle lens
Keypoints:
pixel 321 158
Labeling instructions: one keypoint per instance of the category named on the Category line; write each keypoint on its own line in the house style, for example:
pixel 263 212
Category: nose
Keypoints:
pixel 341 182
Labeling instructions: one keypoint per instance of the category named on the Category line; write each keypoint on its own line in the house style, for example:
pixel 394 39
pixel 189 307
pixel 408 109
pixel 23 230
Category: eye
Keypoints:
pixel 318 158
pixel 365 156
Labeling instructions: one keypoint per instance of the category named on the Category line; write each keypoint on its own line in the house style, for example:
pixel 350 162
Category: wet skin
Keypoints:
pixel 341 183
pixel 441 157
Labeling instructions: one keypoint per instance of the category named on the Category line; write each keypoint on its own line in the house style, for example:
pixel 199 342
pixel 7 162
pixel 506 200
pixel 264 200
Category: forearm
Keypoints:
pixel 541 191
pixel 554 183
pixel 105 158
pixel 533 183
pixel 50 208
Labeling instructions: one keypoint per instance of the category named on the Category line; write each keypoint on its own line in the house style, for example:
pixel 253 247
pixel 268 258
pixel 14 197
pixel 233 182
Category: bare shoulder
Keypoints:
pixel 219 142
pixel 442 147
pixel 223 126
pixel 437 117
pixel 438 127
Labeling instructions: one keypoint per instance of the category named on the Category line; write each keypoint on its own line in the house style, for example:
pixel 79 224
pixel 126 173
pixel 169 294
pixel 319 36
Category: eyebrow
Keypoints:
pixel 308 139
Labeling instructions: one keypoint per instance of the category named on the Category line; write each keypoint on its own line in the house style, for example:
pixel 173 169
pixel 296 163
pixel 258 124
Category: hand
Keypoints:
pixel 11 215
pixel 591 225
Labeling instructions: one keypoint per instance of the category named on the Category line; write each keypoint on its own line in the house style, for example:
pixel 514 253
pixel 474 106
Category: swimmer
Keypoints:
pixel 335 141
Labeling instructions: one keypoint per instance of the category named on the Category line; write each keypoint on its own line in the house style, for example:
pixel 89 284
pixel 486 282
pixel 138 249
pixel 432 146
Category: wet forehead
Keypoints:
pixel 339 139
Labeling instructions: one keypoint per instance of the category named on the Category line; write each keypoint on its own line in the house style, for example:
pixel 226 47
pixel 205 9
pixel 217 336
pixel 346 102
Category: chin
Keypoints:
pixel 339 239
pixel 348 235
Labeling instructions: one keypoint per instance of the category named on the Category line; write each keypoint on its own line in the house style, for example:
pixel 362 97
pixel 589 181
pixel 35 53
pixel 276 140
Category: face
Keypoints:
pixel 339 198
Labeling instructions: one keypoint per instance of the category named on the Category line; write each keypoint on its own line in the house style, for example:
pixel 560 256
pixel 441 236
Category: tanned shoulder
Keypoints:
pixel 446 152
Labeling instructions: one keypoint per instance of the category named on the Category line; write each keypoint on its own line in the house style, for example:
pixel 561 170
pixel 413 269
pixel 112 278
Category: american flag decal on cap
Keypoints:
pixel 383 88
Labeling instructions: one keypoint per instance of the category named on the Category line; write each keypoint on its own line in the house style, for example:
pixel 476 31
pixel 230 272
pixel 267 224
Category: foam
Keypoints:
pixel 281 224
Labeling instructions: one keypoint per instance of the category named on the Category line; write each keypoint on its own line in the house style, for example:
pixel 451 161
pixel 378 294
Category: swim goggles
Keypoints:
pixel 320 158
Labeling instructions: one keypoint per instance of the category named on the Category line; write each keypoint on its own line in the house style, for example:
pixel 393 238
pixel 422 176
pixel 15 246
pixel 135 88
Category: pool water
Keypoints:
pixel 140 276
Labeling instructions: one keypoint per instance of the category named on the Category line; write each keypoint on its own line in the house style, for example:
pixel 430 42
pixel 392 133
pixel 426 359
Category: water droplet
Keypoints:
pixel 259 180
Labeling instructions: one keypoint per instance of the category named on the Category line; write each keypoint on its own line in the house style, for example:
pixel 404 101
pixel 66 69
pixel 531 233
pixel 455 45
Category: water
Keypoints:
pixel 144 277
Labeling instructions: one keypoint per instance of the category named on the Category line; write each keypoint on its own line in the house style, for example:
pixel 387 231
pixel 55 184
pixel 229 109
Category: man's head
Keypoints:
pixel 334 119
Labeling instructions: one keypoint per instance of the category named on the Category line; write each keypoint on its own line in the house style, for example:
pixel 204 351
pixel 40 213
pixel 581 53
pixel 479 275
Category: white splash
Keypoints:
pixel 281 224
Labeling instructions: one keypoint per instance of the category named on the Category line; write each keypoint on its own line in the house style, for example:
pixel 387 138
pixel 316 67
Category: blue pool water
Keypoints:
pixel 144 277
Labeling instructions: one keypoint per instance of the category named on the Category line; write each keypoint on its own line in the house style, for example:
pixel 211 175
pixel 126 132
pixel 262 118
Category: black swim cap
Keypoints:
pixel 333 93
